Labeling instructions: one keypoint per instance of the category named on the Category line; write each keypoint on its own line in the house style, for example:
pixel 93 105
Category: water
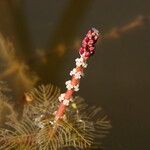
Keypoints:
pixel 118 75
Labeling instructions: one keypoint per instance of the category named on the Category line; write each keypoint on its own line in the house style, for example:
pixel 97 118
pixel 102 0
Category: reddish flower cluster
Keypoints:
pixel 86 50
pixel 88 43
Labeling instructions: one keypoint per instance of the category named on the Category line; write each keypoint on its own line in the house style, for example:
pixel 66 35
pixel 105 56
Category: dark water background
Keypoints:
pixel 118 76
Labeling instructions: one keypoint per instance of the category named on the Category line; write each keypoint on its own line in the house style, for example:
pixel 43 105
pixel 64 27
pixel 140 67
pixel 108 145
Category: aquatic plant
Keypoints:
pixel 52 121
pixel 12 66
pixel 6 109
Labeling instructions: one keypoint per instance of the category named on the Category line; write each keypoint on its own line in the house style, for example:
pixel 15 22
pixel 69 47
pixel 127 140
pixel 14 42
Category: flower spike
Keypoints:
pixel 86 51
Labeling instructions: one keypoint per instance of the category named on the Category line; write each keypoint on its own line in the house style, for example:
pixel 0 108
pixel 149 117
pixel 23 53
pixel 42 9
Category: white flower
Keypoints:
pixel 80 62
pixel 68 82
pixel 66 102
pixel 73 71
pixel 76 88
pixel 76 74
pixel 96 32
pixel 84 65
pixel 69 86
pixel 51 122
pixel 61 97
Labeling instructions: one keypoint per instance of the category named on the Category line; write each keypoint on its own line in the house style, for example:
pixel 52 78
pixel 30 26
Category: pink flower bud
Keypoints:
pixel 91 48
pixel 81 50
pixel 87 54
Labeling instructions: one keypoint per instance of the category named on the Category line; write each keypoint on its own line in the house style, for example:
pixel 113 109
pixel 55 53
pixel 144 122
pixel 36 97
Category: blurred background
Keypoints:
pixel 44 38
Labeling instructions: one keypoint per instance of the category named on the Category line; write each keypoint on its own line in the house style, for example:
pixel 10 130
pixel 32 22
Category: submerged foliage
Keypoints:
pixel 80 128
pixel 6 109
pixel 14 68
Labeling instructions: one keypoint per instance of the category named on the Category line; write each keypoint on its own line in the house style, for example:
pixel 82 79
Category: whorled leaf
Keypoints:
pixel 82 127
pixel 6 109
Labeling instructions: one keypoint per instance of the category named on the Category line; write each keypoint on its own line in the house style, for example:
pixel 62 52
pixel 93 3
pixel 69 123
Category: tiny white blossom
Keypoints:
pixel 84 65
pixel 61 97
pixel 80 62
pixel 77 75
pixel 96 32
pixel 76 88
pixel 66 102
pixel 73 71
pixel 68 82
pixel 51 122
pixel 69 86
